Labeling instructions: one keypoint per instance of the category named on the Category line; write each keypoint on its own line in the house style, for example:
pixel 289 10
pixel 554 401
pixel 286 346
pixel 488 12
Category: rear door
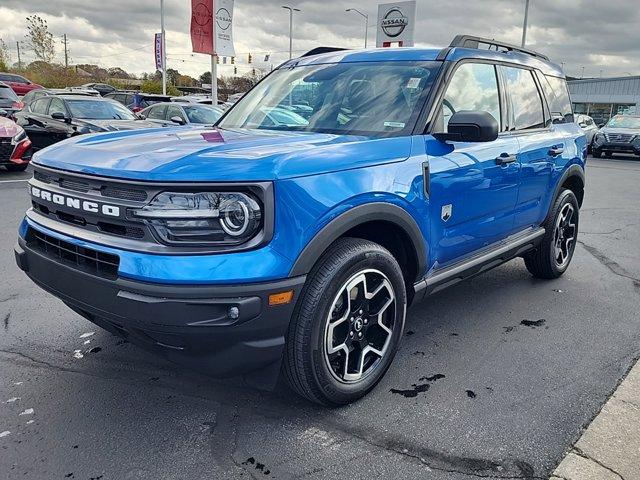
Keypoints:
pixel 473 186
pixel 540 144
pixel 34 121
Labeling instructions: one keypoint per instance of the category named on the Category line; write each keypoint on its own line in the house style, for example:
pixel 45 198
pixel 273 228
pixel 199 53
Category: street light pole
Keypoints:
pixel 291 10
pixel 164 50
pixel 524 26
pixel 366 23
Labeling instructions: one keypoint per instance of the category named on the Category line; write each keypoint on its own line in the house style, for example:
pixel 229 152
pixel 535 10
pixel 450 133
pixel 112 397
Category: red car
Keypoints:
pixel 19 84
pixel 15 147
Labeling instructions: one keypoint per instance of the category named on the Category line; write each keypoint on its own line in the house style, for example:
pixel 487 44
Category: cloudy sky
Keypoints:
pixel 602 36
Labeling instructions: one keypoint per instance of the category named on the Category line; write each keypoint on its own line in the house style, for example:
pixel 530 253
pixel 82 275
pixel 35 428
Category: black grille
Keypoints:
pixel 124 193
pixel 42 177
pixel 6 149
pixel 96 263
pixel 74 185
pixel 619 137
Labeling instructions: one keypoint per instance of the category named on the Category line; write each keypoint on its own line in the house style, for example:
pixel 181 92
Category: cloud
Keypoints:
pixel 596 35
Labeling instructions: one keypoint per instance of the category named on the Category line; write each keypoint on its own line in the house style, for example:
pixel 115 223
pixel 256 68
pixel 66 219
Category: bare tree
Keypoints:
pixel 40 39
pixel 5 56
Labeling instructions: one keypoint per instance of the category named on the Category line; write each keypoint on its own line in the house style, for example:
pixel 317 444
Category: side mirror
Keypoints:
pixel 178 120
pixel 582 125
pixel 3 113
pixel 600 125
pixel 470 126
pixel 60 116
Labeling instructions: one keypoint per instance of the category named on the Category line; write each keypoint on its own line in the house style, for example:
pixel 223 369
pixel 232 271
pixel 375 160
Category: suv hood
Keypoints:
pixel 205 154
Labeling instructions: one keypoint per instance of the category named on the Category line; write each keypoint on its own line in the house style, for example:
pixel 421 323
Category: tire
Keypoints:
pixel 314 364
pixel 553 256
pixel 17 168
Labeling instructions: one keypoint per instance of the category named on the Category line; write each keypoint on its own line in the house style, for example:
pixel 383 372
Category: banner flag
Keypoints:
pixel 202 26
pixel 157 44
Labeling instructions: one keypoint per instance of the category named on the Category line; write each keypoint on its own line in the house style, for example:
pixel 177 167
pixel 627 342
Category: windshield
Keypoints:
pixel 624 122
pixel 366 98
pixel 202 114
pixel 7 92
pixel 99 110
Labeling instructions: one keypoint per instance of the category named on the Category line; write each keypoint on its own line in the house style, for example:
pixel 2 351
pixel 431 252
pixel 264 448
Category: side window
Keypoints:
pixel 555 89
pixel 40 106
pixel 157 112
pixel 526 104
pixel 474 86
pixel 57 106
pixel 173 111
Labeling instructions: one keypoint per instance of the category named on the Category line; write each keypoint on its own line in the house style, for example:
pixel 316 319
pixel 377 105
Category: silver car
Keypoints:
pixel 588 126
pixel 182 113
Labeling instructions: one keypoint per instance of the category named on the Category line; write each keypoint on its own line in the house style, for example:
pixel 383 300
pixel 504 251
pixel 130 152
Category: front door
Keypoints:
pixel 473 186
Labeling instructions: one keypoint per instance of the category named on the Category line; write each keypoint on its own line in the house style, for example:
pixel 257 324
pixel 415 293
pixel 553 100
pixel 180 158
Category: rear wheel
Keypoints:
pixel 348 325
pixel 552 257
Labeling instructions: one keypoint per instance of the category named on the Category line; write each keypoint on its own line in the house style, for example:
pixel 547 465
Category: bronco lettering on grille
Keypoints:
pixel 75 203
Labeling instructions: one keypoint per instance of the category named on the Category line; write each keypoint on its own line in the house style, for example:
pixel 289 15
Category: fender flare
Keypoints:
pixel 377 211
pixel 574 170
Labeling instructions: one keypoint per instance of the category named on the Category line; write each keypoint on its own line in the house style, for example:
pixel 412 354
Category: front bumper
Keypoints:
pixel 191 325
pixel 617 147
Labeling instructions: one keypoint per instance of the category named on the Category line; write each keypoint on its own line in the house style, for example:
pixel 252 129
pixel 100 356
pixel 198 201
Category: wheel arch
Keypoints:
pixel 384 223
pixel 572 179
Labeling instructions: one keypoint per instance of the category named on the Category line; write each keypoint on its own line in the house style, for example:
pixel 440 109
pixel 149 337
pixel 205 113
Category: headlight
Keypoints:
pixel 203 218
pixel 18 137
pixel 600 137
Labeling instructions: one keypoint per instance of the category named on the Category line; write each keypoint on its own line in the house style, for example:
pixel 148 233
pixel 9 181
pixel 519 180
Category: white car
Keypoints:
pixel 588 126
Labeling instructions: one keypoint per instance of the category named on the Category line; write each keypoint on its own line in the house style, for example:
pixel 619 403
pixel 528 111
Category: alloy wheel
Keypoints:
pixel 564 235
pixel 359 326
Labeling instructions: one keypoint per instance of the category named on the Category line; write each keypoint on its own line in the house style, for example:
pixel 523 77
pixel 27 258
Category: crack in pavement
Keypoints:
pixel 612 231
pixel 581 453
pixel 612 265
pixel 472 467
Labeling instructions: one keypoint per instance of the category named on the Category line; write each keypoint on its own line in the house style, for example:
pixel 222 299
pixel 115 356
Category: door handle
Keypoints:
pixel 555 151
pixel 505 159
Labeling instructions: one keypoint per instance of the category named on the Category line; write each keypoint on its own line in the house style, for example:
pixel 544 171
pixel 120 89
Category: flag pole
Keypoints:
pixel 214 66
pixel 164 50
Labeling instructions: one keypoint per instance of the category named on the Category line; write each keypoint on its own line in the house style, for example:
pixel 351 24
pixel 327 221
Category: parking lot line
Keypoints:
pixel 14 181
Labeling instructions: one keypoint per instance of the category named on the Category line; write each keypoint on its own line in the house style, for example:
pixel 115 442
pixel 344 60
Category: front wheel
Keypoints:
pixel 552 257
pixel 348 325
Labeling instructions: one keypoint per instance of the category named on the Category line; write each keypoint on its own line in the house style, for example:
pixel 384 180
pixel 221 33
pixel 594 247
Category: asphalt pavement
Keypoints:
pixel 496 378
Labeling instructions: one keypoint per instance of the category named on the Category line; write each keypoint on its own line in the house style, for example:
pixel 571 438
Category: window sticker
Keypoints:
pixel 413 83
pixel 394 124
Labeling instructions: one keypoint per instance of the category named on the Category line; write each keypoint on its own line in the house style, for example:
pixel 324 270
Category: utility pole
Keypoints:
pixel 366 23
pixel 524 26
pixel 164 50
pixel 66 52
pixel 19 61
pixel 291 10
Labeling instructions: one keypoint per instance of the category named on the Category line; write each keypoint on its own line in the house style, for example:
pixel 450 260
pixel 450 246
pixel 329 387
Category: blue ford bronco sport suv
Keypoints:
pixel 293 236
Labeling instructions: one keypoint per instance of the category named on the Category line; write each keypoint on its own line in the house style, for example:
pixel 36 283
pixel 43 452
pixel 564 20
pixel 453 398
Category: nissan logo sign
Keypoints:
pixel 394 22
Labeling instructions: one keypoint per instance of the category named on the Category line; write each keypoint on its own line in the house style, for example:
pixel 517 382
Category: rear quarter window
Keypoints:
pixel 555 89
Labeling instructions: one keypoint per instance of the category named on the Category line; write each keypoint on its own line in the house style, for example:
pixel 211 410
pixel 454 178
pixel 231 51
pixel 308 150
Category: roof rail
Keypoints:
pixel 469 41
pixel 319 50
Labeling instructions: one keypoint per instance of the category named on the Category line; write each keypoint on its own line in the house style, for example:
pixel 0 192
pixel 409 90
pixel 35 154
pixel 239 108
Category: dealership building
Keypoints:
pixel 602 98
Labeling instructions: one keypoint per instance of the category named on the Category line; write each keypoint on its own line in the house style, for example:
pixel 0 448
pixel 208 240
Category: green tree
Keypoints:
pixel 5 57
pixel 40 39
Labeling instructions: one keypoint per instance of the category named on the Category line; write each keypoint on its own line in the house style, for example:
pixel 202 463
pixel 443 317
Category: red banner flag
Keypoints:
pixel 202 26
